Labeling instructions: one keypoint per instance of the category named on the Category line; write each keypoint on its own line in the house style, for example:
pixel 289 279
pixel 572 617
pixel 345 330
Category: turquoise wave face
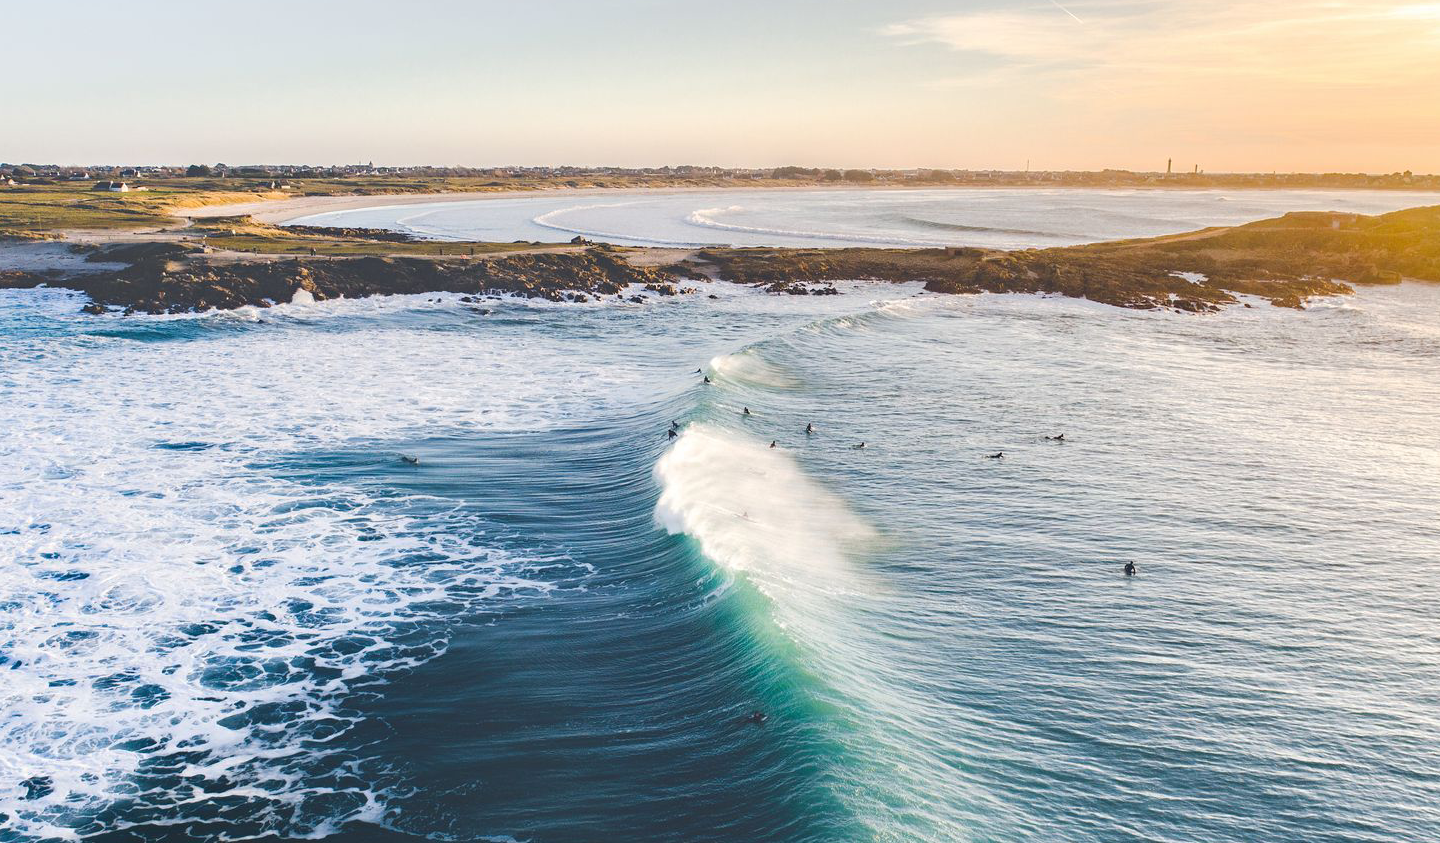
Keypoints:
pixel 391 569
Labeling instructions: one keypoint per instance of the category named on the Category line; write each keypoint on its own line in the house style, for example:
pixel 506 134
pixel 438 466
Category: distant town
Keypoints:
pixel 121 177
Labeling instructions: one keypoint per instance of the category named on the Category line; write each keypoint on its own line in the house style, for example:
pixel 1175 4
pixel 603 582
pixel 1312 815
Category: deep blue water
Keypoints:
pixel 229 609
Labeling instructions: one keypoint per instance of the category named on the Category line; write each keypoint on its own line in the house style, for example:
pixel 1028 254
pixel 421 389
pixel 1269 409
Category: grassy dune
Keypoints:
pixel 40 210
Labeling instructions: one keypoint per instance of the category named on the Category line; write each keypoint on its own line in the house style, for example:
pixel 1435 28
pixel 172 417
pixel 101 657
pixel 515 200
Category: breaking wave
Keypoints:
pixel 191 608
pixel 753 511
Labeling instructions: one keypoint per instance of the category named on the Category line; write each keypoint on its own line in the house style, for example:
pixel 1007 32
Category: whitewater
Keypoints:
pixel 230 607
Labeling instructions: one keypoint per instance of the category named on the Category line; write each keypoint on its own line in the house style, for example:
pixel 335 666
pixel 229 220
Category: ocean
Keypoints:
pixel 230 607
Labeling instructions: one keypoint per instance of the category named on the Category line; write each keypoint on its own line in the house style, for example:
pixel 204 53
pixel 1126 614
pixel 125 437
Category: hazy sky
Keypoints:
pixel 1228 84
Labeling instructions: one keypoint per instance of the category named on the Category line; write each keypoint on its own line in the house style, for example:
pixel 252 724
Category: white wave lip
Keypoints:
pixel 754 511
pixel 747 367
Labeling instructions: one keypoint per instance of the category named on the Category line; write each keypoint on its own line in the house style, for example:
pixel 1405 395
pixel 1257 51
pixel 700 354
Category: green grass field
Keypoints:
pixel 31 210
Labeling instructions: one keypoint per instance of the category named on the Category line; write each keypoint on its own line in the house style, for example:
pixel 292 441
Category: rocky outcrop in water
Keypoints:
pixel 1286 260
pixel 167 278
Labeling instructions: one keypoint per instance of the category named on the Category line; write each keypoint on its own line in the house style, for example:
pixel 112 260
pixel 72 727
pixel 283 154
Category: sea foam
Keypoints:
pixel 753 511
pixel 188 608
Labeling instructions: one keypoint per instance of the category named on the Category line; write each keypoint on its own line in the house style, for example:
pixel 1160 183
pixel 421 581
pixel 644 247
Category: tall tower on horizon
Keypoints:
pixel 1169 166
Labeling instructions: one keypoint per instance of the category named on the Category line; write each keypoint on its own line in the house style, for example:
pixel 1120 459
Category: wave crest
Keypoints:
pixel 754 511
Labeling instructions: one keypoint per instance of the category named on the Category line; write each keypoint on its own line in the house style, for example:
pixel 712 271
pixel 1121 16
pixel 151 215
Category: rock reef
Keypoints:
pixel 1285 260
pixel 177 278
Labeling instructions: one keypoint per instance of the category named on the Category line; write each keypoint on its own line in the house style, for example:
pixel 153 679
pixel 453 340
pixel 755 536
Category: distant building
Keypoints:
pixel 112 186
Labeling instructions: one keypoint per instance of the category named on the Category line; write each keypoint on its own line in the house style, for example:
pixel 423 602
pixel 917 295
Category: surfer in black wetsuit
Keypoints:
pixel 772 443
pixel 746 411
pixel 672 433
pixel 757 717
pixel 409 459
pixel 995 456
pixel 1060 438
pixel 859 447
pixel 707 378
pixel 809 428
pixel 1129 569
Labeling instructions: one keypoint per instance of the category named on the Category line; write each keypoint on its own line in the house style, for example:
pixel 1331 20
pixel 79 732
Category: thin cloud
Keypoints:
pixel 1360 70
pixel 1342 43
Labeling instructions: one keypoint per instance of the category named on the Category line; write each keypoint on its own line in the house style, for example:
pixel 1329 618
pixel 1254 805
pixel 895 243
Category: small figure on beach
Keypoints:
pixel 999 455
pixel 1129 569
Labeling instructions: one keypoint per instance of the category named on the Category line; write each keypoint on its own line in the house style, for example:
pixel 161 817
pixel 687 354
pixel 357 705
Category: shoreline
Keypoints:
pixel 1286 261
pixel 279 211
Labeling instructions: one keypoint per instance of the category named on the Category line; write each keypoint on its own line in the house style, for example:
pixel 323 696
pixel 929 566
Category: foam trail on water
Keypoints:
pixel 188 606
pixel 705 218
pixel 551 220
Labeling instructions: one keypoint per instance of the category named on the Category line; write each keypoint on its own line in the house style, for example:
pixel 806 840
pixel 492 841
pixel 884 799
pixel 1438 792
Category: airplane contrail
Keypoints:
pixel 1066 11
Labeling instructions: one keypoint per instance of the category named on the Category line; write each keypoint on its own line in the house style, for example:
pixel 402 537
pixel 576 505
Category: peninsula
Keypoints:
pixel 175 255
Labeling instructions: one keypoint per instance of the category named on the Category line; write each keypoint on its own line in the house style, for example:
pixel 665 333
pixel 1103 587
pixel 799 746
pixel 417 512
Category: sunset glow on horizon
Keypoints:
pixel 1292 85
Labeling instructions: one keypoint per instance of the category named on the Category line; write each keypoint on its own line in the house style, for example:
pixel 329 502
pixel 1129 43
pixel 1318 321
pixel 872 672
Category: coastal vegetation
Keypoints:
pixel 45 201
pixel 233 262
pixel 1284 260
pixel 242 234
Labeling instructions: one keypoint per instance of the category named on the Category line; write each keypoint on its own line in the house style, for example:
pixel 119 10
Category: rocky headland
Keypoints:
pixel 1286 261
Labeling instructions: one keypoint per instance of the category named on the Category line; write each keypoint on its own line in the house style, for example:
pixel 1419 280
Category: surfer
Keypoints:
pixel 809 428
pixel 746 411
pixel 772 443
pixel 1129 569
pixel 1060 438
pixel 859 447
pixel 409 459
pixel 672 433
pixel 999 455
pixel 707 378
pixel 757 717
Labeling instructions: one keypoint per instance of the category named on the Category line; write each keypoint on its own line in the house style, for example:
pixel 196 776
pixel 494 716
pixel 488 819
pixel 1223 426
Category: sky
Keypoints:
pixel 1228 85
